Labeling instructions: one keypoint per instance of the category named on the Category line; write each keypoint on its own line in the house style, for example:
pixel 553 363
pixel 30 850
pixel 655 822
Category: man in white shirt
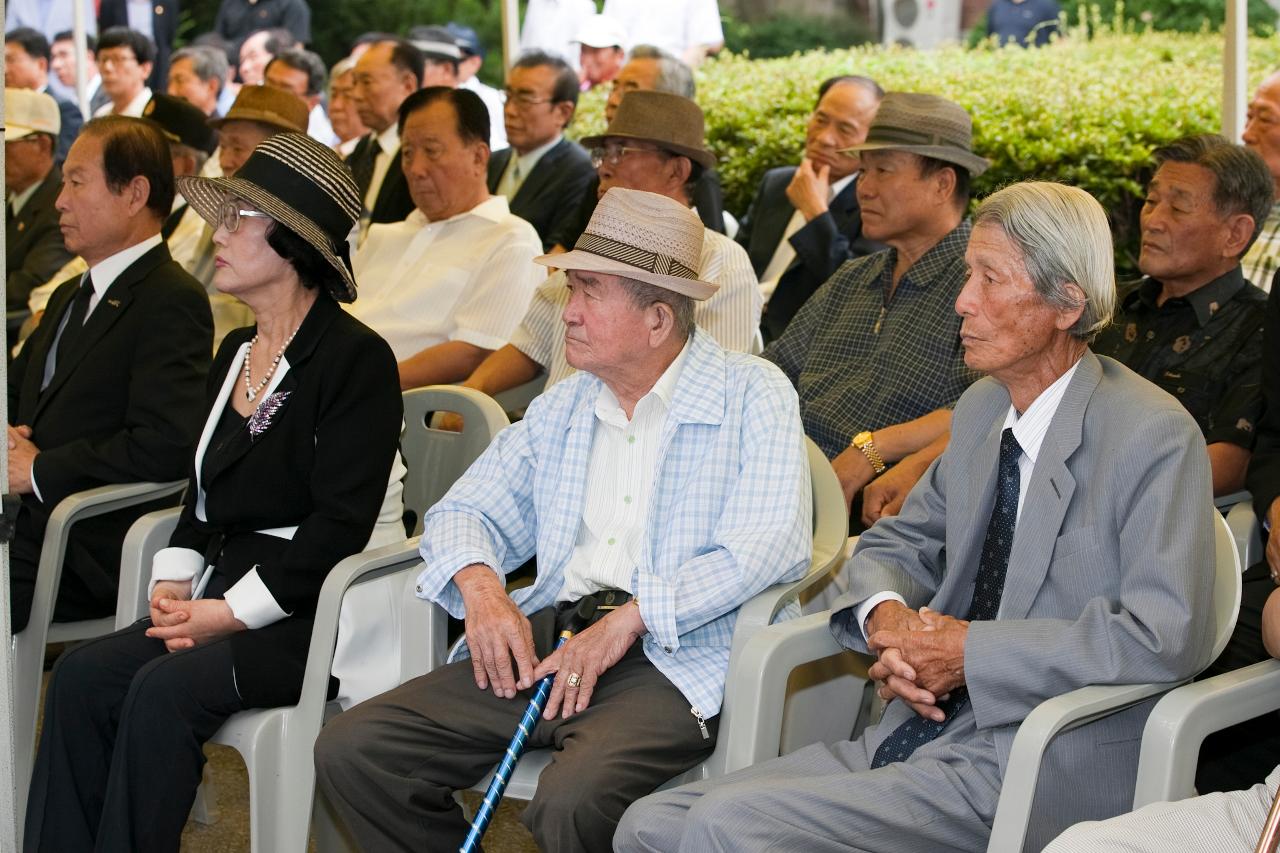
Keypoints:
pixel 549 26
pixel 1262 134
pixel 655 144
pixel 688 28
pixel 447 286
pixel 602 50
pixel 124 60
pixel 385 74
pixel 473 54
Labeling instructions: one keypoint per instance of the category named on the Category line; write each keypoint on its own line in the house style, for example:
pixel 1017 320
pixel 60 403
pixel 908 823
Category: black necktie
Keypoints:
pixel 75 321
pixel 985 605
pixel 362 166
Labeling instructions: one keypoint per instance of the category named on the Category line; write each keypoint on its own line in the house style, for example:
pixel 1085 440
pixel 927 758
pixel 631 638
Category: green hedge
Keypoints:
pixel 1087 113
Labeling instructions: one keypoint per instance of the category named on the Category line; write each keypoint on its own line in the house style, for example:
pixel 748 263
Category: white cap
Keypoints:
pixel 27 111
pixel 601 31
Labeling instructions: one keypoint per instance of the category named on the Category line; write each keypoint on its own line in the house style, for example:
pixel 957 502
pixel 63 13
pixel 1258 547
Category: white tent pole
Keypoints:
pixel 510 33
pixel 82 56
pixel 1235 69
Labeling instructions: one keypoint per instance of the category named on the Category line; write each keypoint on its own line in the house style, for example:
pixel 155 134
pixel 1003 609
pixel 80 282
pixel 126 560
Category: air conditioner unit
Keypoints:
pixel 920 23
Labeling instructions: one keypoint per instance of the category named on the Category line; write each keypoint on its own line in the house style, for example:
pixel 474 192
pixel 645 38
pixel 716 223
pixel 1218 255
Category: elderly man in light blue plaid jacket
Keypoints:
pixel 663 485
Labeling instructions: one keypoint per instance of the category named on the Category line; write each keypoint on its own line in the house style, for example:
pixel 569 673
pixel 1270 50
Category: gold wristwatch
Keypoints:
pixel 867 447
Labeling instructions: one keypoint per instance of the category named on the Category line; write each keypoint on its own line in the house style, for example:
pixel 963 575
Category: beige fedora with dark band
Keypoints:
pixel 644 236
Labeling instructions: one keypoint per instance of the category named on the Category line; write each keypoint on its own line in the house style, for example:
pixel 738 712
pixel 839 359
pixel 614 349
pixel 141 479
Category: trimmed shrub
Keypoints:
pixel 1087 113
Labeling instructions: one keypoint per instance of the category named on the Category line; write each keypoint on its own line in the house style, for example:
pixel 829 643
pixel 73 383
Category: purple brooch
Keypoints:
pixel 266 412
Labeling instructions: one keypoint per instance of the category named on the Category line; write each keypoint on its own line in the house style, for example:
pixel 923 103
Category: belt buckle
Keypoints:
pixel 608 604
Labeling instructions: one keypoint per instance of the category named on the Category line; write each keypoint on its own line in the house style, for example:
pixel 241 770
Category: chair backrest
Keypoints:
pixel 435 458
pixel 1226 584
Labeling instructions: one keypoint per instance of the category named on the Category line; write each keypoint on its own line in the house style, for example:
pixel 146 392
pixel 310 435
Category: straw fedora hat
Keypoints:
pixel 267 105
pixel 28 111
pixel 644 236
pixel 926 125
pixel 667 120
pixel 301 184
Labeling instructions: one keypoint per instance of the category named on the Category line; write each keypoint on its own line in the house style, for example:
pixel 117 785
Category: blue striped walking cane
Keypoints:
pixel 501 776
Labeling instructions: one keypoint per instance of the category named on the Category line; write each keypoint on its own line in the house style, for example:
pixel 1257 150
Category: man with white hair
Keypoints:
pixel 661 487
pixel 1262 134
pixel 1060 541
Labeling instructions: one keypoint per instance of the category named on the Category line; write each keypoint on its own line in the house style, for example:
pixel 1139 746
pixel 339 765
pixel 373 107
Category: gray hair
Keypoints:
pixel 674 76
pixel 1064 238
pixel 643 295
pixel 207 62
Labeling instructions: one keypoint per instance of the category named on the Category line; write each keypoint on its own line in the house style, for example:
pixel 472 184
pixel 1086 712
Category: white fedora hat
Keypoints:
pixel 27 111
pixel 644 236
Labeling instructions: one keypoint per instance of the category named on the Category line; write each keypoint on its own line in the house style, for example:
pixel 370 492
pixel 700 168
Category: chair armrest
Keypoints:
pixel 1050 719
pixel 1229 500
pixel 756 686
pixel 146 536
pixel 1246 532
pixel 356 569
pixel 1181 721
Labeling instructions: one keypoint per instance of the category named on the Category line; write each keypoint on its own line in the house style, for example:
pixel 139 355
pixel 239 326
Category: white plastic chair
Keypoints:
pixel 517 399
pixel 770 658
pixel 736 746
pixel 436 458
pixel 1247 533
pixel 28 644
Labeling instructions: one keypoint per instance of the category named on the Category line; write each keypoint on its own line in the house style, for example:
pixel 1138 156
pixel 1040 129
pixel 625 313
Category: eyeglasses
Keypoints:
pixel 231 213
pixel 119 58
pixel 613 154
pixel 525 99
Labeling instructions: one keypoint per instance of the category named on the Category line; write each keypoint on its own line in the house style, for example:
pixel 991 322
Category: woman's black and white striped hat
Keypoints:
pixel 300 183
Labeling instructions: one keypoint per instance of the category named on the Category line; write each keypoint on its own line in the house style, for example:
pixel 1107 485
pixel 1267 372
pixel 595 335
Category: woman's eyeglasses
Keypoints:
pixel 231 213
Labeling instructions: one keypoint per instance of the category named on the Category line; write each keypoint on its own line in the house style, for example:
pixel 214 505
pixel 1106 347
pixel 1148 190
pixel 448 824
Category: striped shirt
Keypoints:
pixel 731 316
pixel 1262 260
pixel 467 278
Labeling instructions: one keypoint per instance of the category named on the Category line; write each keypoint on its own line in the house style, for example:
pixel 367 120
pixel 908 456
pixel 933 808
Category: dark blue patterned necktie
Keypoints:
pixel 917 731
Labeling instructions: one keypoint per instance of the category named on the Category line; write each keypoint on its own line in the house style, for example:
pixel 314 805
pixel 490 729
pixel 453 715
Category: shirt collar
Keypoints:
pixel 20 199
pixel 609 410
pixel 839 186
pixel 494 209
pixel 944 251
pixel 528 161
pixel 1205 300
pixel 389 139
pixel 109 269
pixel 1030 427
pixel 138 103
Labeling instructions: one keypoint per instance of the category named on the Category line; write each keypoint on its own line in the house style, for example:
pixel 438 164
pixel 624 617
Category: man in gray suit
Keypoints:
pixel 1064 538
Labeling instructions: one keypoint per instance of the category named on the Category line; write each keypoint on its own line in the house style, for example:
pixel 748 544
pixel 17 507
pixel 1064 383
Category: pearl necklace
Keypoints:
pixel 251 390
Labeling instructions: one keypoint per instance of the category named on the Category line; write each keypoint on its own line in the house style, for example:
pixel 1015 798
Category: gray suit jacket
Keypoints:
pixel 1109 581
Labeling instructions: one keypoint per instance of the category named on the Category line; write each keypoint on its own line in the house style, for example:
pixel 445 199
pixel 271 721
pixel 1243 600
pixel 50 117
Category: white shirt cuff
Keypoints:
pixel 35 487
pixel 174 564
pixel 864 609
pixel 252 603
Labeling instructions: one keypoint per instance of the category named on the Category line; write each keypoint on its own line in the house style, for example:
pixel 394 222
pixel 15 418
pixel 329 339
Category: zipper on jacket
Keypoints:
pixel 702 723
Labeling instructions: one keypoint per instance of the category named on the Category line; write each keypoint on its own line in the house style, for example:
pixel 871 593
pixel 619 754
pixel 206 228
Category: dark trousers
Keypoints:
pixel 390 766
pixel 1243 755
pixel 120 755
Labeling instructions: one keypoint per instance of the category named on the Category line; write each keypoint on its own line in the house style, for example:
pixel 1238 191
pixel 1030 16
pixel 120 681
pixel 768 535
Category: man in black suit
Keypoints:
pixel 110 386
pixel 164 26
pixel 804 222
pixel 34 250
pixel 26 66
pixel 386 74
pixel 542 175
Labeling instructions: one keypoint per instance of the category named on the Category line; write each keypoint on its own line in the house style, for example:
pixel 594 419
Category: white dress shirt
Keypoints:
pixel 621 471
pixel 550 25
pixel 494 101
pixel 319 128
pixel 133 108
pixel 1029 429
pixel 673 25
pixel 467 278
pixel 785 253
pixel 518 168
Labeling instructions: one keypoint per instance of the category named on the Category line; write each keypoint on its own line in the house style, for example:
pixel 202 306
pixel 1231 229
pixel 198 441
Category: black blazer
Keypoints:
pixel 821 245
pixel 34 250
pixel 164 23
pixel 124 406
pixel 1263 479
pixel 550 195
pixel 708 200
pixel 393 203
pixel 320 463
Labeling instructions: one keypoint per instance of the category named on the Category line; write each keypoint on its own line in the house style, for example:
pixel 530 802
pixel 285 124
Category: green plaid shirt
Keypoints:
pixel 861 360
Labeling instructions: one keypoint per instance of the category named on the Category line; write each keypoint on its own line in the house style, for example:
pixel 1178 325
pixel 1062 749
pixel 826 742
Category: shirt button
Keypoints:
pixel 631 439
pixel 667 649
pixel 418 587
pixel 626 499
pixel 612 541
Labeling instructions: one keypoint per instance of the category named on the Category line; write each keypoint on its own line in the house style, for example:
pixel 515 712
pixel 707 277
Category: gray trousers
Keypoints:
pixel 824 798
pixel 389 766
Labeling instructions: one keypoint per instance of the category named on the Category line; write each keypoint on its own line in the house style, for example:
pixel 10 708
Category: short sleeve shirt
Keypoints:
pixel 862 360
pixel 1205 349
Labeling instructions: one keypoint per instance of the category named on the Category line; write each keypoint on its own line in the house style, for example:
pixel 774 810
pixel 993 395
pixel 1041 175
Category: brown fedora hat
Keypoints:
pixel 666 120
pixel 928 125
pixel 265 104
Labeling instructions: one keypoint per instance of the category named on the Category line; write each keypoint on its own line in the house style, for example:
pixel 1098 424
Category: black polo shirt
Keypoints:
pixel 1204 348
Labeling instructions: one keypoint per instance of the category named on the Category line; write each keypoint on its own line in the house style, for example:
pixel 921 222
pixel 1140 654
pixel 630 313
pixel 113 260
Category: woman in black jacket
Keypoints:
pixel 291 476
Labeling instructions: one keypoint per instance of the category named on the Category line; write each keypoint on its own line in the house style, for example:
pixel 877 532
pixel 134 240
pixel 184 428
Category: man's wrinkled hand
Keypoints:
pixel 22 455
pixel 809 189
pixel 896 680
pixel 935 653
pixel 1273 540
pixel 588 655
pixel 853 471
pixel 884 495
pixel 496 633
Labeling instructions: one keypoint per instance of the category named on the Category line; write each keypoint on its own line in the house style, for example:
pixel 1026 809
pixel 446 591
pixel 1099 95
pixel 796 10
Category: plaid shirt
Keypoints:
pixel 861 360
pixel 730 514
pixel 1205 349
pixel 1262 260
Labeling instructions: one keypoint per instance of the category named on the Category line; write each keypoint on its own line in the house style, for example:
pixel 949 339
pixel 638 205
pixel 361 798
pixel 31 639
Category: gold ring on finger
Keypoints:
pixel 574 679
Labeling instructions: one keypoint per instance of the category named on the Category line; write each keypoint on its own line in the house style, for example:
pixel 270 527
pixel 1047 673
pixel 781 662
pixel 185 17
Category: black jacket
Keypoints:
pixel 393 203
pixel 34 250
pixel 550 195
pixel 1263 479
pixel 821 245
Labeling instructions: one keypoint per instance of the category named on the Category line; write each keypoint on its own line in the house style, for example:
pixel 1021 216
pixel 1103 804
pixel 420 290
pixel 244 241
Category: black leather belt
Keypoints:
pixel 590 609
